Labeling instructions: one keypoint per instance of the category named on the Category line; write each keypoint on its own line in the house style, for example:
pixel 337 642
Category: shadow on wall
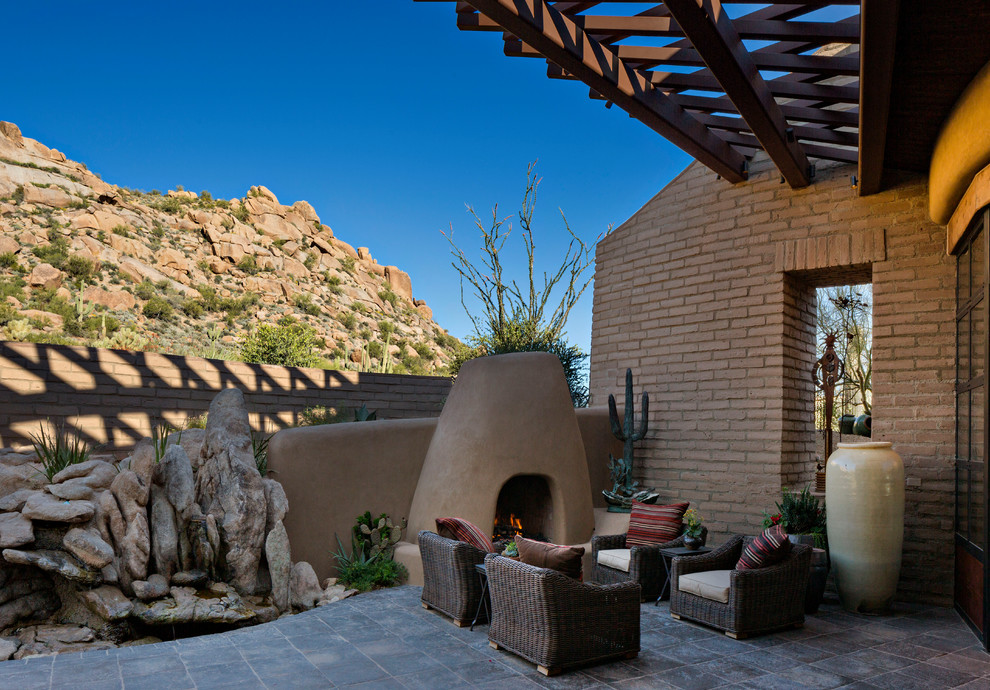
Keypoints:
pixel 116 397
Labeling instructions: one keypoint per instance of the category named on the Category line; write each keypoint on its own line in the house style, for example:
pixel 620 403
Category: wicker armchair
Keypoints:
pixel 760 600
pixel 451 584
pixel 557 622
pixel 646 567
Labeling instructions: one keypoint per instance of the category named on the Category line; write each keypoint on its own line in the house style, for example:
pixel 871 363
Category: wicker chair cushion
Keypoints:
pixel 462 530
pixel 615 558
pixel 650 524
pixel 564 559
pixel 710 584
pixel 767 549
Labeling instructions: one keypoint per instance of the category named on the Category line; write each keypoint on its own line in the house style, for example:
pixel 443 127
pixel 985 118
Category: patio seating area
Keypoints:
pixel 385 639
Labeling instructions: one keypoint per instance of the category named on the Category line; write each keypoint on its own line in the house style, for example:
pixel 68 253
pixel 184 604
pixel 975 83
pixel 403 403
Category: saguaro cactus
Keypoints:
pixel 624 488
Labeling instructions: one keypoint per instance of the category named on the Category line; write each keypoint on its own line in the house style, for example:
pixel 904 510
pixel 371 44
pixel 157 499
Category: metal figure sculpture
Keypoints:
pixel 829 370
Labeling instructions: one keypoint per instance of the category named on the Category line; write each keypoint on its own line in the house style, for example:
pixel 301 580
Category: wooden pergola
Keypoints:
pixel 721 87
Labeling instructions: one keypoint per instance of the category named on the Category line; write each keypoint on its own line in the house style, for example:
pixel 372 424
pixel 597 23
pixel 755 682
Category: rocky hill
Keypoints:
pixel 89 263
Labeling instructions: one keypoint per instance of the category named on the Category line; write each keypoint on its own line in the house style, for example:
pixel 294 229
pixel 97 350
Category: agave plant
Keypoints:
pixel 56 450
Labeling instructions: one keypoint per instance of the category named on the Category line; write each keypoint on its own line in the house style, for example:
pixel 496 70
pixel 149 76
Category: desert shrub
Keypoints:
pixel 170 204
pixel 197 422
pixel 47 299
pixel 423 350
pixel 101 323
pixel 7 314
pixel 145 290
pixel 310 261
pixel 241 213
pixel 375 349
pixel 347 263
pixel 56 450
pixel 18 195
pixel 386 327
pixel 235 306
pixel 193 308
pixel 358 307
pixel 305 304
pixel 211 301
pixel 318 414
pixel 387 295
pixel 248 264
pixel 8 260
pixel 55 252
pixel 222 203
pixel 333 283
pixel 291 346
pixel 80 267
pixel 348 321
pixel 157 230
pixel 365 334
pixel 121 230
pixel 157 308
pixel 12 287
pixel 206 197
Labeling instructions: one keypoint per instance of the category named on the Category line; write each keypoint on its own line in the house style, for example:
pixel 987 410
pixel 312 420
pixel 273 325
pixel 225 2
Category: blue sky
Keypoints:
pixel 384 116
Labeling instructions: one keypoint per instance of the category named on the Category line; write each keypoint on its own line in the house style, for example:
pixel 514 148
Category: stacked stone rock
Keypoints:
pixel 106 543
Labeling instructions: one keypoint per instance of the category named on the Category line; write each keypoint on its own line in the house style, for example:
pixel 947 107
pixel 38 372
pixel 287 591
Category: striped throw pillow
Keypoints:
pixel 770 547
pixel 650 524
pixel 462 530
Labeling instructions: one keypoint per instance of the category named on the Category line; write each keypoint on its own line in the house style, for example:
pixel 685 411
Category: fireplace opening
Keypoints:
pixel 524 507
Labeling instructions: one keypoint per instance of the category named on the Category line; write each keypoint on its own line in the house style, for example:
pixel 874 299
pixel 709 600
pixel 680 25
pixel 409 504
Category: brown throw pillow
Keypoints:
pixel 563 559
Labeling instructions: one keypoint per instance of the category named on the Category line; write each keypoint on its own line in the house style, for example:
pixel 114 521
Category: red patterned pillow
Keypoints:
pixel 770 547
pixel 462 530
pixel 650 524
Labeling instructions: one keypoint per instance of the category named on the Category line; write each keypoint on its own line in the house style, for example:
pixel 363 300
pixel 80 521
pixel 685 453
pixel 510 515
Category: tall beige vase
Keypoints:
pixel 864 494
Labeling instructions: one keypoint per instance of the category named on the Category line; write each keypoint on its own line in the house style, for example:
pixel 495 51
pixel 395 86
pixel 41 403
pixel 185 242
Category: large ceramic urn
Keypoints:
pixel 864 492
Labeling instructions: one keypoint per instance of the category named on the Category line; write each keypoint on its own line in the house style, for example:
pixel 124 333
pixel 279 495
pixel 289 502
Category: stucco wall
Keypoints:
pixel 117 397
pixel 707 294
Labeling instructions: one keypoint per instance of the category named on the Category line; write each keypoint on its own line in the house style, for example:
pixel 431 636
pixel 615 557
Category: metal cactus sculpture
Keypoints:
pixel 624 488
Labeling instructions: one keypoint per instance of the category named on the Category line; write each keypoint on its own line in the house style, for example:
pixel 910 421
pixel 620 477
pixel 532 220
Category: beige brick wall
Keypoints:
pixel 707 293
pixel 115 397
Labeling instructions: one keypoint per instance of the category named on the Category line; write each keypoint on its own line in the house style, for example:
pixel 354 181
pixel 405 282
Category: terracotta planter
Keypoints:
pixel 864 491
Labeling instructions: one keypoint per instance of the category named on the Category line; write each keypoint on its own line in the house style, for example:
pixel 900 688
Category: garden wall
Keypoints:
pixel 707 293
pixel 116 397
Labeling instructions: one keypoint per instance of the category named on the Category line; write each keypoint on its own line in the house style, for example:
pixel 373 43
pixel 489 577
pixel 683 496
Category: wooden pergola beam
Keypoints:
pixel 879 36
pixel 764 30
pixel 778 62
pixel 538 24
pixel 712 33
pixel 680 81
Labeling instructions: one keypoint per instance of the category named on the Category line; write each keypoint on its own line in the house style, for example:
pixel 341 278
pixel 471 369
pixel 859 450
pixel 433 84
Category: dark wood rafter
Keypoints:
pixel 538 24
pixel 811 110
pixel 879 29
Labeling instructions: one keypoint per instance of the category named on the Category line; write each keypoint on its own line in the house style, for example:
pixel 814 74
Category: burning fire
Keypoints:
pixel 516 523
pixel 506 528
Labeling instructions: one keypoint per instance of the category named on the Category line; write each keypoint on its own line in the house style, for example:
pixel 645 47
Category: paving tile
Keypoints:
pixel 814 677
pixel 222 674
pixel 936 675
pixel 141 666
pixel 614 671
pixel 802 652
pixel 571 680
pixel 175 681
pixel 767 659
pixel 436 678
pixel 961 662
pixel 731 670
pixel 691 678
pixel 402 664
pixel 770 682
pixel 509 683
pixel 851 666
pixel 880 659
pixel 907 650
pixel 485 670
pixel 655 682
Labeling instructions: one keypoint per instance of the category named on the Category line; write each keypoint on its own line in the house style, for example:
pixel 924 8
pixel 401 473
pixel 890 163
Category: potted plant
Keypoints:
pixel 692 529
pixel 803 518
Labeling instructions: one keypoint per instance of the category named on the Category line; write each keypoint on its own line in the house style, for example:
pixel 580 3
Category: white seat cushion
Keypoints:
pixel 614 558
pixel 710 584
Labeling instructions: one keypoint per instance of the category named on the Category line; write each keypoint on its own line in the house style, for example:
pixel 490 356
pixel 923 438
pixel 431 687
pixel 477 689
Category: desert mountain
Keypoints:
pixel 89 263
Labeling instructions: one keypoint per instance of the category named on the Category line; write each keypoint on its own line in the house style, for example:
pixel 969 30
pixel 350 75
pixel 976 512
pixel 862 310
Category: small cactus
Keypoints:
pixel 377 536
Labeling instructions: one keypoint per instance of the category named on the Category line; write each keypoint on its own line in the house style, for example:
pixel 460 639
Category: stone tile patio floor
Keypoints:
pixel 385 639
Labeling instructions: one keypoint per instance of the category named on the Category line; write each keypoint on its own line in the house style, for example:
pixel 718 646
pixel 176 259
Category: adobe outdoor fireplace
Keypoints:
pixel 524 507
pixel 508 444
